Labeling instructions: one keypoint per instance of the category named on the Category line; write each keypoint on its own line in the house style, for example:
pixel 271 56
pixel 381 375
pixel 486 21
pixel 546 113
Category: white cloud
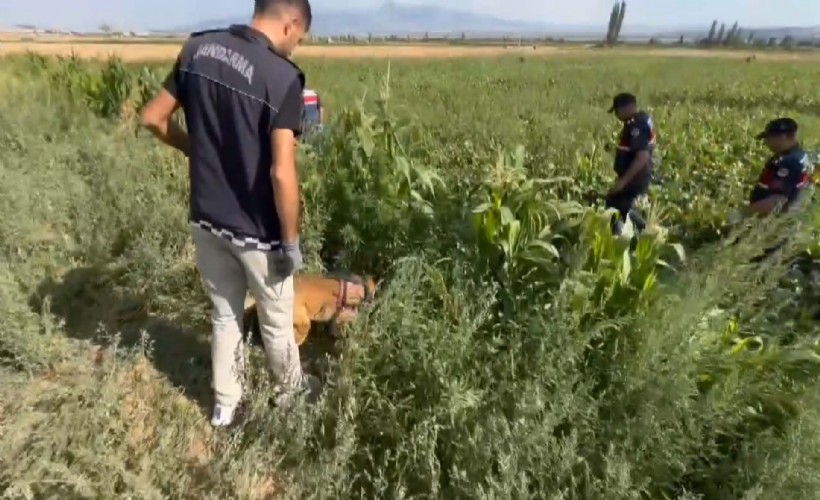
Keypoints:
pixel 547 11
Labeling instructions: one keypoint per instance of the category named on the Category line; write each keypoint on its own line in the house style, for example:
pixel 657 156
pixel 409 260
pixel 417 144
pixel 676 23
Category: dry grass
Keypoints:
pixel 144 415
pixel 98 48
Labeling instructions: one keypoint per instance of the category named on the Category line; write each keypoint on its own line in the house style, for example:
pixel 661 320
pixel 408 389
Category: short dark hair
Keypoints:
pixel 262 7
pixel 623 100
pixel 779 126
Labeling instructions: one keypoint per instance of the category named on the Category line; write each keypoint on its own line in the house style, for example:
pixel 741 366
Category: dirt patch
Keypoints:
pixel 144 394
pixel 421 51
pixel 163 49
pixel 780 55
pixel 154 434
pixel 127 52
pixel 53 37
pixel 164 52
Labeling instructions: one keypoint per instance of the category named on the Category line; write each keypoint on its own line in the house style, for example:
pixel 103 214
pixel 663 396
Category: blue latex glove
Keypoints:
pixel 290 260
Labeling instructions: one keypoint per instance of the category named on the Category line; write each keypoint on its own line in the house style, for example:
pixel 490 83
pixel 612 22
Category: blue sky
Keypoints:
pixel 147 14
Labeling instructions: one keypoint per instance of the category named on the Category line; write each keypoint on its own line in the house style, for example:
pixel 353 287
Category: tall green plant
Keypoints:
pixel 379 194
pixel 517 227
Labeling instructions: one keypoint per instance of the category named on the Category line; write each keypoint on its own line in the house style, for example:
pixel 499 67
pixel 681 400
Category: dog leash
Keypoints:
pixel 344 293
pixel 341 299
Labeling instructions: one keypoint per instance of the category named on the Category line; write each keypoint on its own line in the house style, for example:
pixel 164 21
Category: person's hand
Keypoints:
pixel 616 188
pixel 291 259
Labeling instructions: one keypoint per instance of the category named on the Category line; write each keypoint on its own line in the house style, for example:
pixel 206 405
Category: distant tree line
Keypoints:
pixel 735 37
pixel 721 37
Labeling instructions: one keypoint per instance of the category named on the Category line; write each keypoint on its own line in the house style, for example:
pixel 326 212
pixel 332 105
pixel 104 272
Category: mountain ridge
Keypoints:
pixel 392 18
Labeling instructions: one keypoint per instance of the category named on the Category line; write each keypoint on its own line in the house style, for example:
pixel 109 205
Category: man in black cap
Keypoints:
pixel 785 174
pixel 242 100
pixel 633 160
pixel 784 177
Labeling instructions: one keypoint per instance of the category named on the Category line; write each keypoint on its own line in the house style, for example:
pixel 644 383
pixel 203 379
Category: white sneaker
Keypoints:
pixel 223 415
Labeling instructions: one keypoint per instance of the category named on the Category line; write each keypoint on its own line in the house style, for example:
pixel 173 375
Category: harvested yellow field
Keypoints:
pixel 164 51
pixel 141 50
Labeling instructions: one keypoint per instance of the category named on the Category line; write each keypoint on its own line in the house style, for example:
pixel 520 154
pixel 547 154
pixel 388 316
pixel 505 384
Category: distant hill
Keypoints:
pixel 398 19
pixel 812 32
pixel 332 19
pixel 415 20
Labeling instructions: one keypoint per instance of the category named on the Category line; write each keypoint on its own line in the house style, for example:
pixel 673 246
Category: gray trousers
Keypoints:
pixel 228 272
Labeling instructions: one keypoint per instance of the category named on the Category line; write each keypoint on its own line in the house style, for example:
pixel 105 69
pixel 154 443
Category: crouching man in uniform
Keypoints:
pixel 242 100
pixel 633 161
pixel 785 174
pixel 784 177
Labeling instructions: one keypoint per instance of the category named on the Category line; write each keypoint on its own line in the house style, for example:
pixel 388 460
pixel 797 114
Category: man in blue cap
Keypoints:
pixel 633 160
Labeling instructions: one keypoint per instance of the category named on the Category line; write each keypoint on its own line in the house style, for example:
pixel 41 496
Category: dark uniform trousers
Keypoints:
pixel 624 203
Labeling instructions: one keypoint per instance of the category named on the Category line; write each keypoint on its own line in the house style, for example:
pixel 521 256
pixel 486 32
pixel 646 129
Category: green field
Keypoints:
pixel 518 350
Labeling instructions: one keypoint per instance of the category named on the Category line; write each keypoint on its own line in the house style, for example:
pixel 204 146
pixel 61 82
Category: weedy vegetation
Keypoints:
pixel 519 350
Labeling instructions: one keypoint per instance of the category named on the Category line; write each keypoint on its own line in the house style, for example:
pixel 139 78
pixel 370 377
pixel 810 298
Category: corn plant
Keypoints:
pixel 115 86
pixel 380 197
pixel 517 227
pixel 147 85
pixel 624 279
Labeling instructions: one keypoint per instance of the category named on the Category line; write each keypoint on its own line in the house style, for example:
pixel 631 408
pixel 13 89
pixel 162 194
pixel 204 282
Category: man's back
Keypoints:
pixel 243 102
pixel 234 91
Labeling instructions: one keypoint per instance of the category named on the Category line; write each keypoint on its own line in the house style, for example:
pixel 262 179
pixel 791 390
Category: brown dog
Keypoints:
pixel 320 299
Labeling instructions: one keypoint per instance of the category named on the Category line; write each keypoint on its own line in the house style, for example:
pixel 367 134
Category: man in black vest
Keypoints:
pixel 242 100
